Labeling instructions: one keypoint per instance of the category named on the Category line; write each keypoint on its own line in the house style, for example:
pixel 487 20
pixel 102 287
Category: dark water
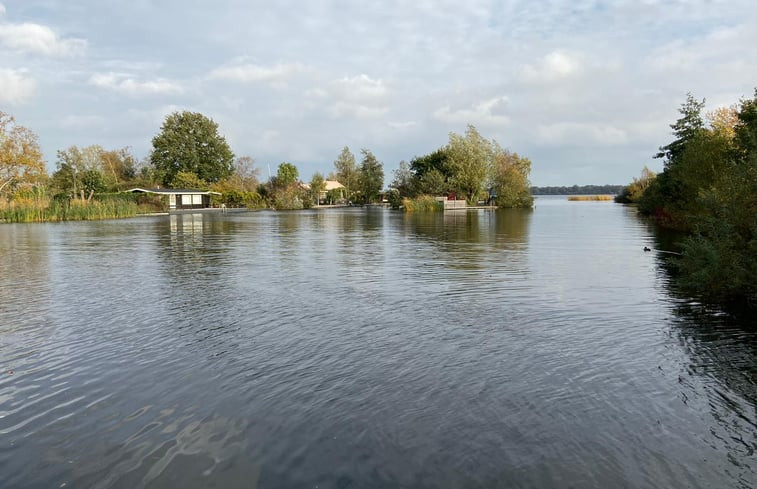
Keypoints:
pixel 365 348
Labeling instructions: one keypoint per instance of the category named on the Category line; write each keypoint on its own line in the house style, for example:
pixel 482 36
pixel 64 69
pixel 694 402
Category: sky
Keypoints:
pixel 585 89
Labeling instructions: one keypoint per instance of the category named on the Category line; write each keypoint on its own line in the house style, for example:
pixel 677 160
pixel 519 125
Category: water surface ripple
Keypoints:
pixel 365 348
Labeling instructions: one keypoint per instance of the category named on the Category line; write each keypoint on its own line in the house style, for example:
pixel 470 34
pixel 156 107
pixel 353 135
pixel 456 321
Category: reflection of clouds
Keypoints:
pixel 175 451
pixel 213 440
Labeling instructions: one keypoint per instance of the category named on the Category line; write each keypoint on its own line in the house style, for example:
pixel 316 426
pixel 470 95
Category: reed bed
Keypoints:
pixel 46 210
pixel 422 203
pixel 587 198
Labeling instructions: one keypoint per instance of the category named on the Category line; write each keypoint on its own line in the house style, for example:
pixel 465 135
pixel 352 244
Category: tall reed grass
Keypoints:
pixel 40 208
pixel 590 197
pixel 422 203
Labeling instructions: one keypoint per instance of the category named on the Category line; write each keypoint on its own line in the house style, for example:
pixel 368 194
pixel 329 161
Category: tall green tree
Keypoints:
pixel 190 142
pixel 510 180
pixel 403 181
pixel 469 160
pixel 370 177
pixel 76 170
pixel 317 185
pixel 347 171
pixel 287 174
pixel 118 167
pixel 21 158
pixel 689 125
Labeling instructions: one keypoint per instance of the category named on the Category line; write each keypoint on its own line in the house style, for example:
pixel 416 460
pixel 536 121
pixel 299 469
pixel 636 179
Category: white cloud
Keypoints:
pixel 38 39
pixel 2 10
pixel 402 125
pixel 487 112
pixel 555 66
pixel 571 133
pixel 360 96
pixel 125 84
pixel 15 88
pixel 81 121
pixel 276 75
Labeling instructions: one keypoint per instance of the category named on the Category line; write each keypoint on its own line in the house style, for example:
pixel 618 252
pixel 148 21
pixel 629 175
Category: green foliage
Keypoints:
pixel 287 174
pixel 422 203
pixel 431 173
pixel 317 185
pixel 403 181
pixel 719 259
pixel 394 197
pixel 346 171
pixel 288 198
pixel 189 141
pixel 433 182
pixel 745 130
pixel 469 162
pixel 709 187
pixel 510 180
pixel 240 198
pixel 370 177
pixel 91 168
pixel 577 190
pixel 335 195
pixel 686 127
pixel 92 181
pixel 40 208
pixel 188 180
pixel 632 193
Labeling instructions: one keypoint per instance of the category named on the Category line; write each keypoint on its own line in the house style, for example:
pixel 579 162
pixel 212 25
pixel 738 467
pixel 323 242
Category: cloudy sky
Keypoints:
pixel 585 89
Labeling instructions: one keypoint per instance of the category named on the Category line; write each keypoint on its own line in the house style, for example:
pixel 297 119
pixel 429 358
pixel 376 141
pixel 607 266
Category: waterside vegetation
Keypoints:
pixel 469 167
pixel 588 198
pixel 188 152
pixel 708 190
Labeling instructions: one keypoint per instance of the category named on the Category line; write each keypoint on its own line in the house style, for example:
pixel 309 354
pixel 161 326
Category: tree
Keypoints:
pixel 745 131
pixel 723 119
pixel 510 180
pixel 20 155
pixel 403 180
pixel 287 174
pixel 346 170
pixel 189 141
pixel 317 185
pixel 118 167
pixel 245 174
pixel 72 165
pixel 684 129
pixel 469 162
pixel 188 180
pixel 420 165
pixel 370 177
pixel 633 192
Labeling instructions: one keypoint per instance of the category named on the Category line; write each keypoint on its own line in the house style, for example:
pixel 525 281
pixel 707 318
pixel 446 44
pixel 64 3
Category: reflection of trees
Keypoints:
pixel 24 273
pixel 506 228
pixel 722 349
pixel 193 252
pixel 723 353
pixel 468 239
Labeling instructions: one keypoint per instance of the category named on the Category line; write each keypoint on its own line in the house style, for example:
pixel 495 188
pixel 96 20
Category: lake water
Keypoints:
pixel 358 348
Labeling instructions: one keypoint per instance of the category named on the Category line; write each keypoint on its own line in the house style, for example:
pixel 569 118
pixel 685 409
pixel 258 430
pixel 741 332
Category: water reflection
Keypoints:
pixel 366 348
pixel 720 377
